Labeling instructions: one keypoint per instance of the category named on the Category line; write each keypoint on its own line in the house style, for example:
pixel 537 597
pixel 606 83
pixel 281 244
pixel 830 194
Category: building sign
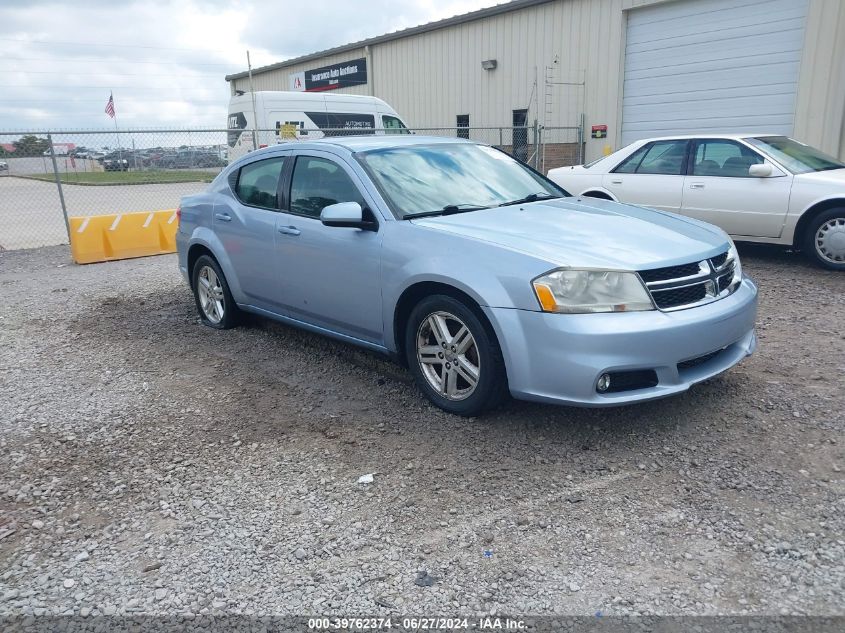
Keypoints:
pixel 599 131
pixel 343 75
pixel 297 81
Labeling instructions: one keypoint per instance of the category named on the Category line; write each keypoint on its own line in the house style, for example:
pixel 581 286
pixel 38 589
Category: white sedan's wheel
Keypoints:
pixel 824 238
pixel 830 240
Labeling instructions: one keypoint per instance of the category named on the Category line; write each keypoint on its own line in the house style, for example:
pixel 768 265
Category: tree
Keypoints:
pixel 31 145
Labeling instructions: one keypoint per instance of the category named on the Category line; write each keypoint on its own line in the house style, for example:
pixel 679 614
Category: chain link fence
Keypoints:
pixel 46 177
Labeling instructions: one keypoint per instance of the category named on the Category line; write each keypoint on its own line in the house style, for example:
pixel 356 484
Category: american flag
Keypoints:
pixel 110 107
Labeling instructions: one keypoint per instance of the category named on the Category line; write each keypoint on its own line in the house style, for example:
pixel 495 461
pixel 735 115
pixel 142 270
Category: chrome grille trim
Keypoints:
pixel 706 286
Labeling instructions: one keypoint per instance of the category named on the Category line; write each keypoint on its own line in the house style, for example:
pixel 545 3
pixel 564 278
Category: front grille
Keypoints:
pixel 687 285
pixel 699 360
pixel 675 297
pixel 725 280
pixel 670 272
pixel 719 260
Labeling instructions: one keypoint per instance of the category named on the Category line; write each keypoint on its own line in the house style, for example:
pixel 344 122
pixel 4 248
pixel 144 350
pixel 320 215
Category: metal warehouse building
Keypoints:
pixel 639 67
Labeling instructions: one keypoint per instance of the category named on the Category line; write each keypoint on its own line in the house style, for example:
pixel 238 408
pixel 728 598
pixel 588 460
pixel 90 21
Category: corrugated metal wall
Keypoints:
pixel 432 77
pixel 820 107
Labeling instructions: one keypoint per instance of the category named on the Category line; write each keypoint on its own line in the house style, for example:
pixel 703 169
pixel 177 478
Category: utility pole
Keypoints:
pixel 254 115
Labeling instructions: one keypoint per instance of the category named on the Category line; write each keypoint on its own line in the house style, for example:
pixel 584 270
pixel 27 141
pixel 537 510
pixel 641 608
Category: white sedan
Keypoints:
pixel 758 188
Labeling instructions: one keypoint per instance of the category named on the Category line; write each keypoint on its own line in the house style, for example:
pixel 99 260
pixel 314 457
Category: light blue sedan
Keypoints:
pixel 481 275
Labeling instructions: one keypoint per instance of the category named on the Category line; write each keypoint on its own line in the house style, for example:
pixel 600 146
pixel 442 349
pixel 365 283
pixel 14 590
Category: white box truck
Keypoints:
pixel 289 116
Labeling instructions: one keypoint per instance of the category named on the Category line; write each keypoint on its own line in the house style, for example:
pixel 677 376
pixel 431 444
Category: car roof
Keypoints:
pixel 373 141
pixel 732 135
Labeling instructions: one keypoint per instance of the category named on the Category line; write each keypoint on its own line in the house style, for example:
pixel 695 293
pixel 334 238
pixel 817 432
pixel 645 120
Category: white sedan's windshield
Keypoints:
pixel 796 157
pixel 422 179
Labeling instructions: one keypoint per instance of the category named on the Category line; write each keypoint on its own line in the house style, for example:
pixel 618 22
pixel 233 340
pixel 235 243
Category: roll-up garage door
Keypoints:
pixel 711 66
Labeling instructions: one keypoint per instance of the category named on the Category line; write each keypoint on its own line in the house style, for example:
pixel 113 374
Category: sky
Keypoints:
pixel 165 61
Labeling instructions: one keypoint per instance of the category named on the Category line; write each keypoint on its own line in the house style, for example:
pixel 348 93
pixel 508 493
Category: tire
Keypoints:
pixel 824 239
pixel 435 324
pixel 214 302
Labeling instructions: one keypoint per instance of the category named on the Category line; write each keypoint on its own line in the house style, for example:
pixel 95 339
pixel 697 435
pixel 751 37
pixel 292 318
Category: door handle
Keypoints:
pixel 223 217
pixel 289 230
pixel 696 185
pixel 616 182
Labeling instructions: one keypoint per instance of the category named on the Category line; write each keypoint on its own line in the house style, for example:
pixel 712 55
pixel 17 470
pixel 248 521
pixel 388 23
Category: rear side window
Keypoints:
pixel 258 183
pixel 660 157
pixel 317 183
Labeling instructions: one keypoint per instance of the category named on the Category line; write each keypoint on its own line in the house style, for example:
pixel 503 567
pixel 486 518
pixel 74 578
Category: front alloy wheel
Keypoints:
pixel 454 356
pixel 448 356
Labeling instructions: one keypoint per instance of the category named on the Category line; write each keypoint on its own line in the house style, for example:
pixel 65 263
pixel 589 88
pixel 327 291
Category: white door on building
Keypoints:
pixel 712 66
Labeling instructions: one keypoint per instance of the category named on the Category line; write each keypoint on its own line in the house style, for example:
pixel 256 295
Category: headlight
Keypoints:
pixel 734 255
pixel 580 291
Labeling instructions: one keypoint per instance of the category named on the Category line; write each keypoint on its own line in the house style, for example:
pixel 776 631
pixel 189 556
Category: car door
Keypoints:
pixel 330 276
pixel 719 189
pixel 653 176
pixel 245 218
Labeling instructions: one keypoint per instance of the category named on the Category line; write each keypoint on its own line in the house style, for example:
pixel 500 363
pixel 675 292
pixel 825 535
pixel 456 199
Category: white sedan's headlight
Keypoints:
pixel 581 291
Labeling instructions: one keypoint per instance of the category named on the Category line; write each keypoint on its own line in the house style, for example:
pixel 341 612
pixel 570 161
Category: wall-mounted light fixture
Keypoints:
pixel 489 64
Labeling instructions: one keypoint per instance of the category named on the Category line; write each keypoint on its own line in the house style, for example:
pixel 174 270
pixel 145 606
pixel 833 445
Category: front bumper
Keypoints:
pixel 558 358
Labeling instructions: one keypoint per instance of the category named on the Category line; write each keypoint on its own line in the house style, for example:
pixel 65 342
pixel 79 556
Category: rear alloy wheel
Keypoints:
pixel 211 293
pixel 825 239
pixel 454 359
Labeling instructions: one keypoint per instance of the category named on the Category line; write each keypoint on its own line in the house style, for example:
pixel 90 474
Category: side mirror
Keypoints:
pixel 761 170
pixel 346 214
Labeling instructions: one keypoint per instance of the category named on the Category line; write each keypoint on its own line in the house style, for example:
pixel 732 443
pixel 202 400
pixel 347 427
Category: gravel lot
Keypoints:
pixel 151 465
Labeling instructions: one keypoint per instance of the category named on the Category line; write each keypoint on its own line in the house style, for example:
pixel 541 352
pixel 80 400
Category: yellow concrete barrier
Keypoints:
pixel 102 238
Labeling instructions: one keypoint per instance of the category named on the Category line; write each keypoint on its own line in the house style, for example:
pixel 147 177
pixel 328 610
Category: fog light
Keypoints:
pixel 603 384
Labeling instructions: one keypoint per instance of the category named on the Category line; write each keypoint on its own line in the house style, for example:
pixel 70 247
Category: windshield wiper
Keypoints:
pixel 534 197
pixel 449 209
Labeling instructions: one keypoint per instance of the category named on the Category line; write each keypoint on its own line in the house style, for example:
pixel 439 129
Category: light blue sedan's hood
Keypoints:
pixel 589 232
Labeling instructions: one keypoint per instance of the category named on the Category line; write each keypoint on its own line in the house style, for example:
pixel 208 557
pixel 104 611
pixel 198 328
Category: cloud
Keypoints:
pixel 166 60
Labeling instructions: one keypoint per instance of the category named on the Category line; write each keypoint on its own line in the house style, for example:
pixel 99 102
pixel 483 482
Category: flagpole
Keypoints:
pixel 116 133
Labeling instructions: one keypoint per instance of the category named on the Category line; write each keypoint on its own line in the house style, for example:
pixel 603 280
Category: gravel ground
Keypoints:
pixel 151 465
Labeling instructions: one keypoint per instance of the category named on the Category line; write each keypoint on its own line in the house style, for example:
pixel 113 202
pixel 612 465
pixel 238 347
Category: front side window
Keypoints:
pixel 258 183
pixel 660 157
pixel 317 183
pixel 393 125
pixel 796 157
pixel 426 178
pixel 721 157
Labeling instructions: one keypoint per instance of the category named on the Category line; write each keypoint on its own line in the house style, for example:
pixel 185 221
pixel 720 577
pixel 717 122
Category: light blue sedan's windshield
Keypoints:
pixel 422 179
